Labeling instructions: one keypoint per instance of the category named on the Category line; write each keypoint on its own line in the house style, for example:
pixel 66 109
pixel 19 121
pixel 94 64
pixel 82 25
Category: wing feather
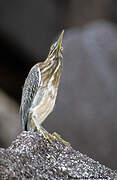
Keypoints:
pixel 30 89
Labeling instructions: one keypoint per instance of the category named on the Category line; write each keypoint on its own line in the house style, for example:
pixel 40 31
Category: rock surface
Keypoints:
pixel 30 156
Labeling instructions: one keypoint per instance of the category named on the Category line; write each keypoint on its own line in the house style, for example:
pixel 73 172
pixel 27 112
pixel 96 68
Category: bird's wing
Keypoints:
pixel 30 88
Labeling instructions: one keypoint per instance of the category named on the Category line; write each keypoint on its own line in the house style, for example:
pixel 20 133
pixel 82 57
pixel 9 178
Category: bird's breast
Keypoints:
pixel 45 103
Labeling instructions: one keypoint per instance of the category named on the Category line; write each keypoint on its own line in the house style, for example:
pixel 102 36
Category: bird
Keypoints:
pixel 40 90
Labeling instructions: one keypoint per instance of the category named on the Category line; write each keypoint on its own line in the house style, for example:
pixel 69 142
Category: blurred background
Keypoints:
pixel 85 113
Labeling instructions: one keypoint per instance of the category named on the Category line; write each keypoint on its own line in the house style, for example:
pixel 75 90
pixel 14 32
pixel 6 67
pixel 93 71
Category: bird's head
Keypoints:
pixel 56 48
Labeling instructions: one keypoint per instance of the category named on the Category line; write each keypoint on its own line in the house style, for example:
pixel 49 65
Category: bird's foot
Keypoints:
pixel 51 137
pixel 57 136
pixel 46 135
pixel 40 129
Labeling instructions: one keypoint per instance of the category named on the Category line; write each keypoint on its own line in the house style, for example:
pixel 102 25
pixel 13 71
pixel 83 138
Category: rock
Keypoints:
pixel 30 156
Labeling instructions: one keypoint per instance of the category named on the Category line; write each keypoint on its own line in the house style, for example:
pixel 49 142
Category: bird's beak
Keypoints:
pixel 58 44
pixel 59 41
pixel 56 48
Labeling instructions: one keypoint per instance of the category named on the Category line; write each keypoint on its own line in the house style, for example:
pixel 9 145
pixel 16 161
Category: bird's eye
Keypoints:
pixel 52 47
pixel 55 44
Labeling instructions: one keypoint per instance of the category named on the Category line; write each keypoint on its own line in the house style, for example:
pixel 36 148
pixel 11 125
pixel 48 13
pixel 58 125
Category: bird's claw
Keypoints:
pixel 51 137
pixel 57 136
pixel 46 135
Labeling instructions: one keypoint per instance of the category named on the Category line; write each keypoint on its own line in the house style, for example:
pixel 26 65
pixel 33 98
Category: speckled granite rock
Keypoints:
pixel 30 156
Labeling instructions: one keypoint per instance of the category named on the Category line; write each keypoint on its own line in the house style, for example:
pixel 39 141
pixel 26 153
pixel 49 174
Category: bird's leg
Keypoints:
pixel 57 136
pixel 40 129
pixel 47 135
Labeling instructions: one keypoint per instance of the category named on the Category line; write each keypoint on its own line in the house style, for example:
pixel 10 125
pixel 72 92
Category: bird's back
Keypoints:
pixel 30 88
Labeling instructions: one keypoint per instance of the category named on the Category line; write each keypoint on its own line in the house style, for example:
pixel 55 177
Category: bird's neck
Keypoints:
pixel 51 71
